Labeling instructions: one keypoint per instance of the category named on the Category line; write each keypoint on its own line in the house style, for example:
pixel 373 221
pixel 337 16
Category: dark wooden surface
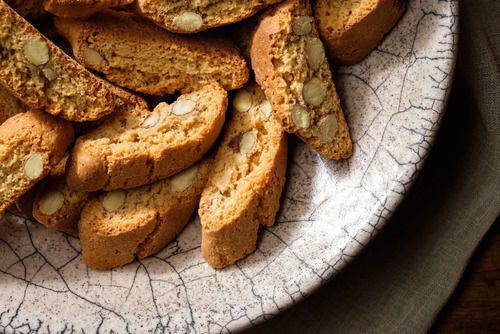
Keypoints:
pixel 475 304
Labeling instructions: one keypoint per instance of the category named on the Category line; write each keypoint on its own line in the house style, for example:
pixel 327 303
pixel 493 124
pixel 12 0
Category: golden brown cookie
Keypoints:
pixel 139 147
pixel 245 185
pixel 41 75
pixel 31 144
pixel 290 65
pixel 134 53
pixel 80 8
pixel 183 16
pixel 352 28
pixel 121 224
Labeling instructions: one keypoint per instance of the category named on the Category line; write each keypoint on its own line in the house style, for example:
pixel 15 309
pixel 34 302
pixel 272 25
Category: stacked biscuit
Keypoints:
pixel 90 142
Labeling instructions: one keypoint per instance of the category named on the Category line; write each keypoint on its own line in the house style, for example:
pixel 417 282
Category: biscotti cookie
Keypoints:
pixel 31 144
pixel 140 147
pixel 134 53
pixel 352 28
pixel 42 76
pixel 118 225
pixel 9 105
pixel 80 8
pixel 29 9
pixel 245 185
pixel 183 16
pixel 54 204
pixel 290 65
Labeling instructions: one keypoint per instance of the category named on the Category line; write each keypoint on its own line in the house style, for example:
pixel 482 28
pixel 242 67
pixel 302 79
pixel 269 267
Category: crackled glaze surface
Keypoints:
pixel 393 102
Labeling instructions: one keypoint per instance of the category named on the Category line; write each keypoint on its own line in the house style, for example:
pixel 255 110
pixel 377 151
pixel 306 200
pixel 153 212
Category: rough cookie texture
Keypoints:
pixel 31 144
pixel 352 28
pixel 246 182
pixel 139 147
pixel 41 75
pixel 184 16
pixel 54 204
pixel 9 105
pixel 290 65
pixel 121 224
pixel 81 8
pixel 134 53
pixel 29 9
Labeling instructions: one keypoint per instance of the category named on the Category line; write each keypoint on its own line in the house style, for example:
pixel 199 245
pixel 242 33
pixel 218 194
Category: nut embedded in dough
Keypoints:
pixel 33 167
pixel 314 92
pixel 51 203
pixel 184 179
pixel 315 53
pixel 265 108
pixel 247 142
pixel 151 120
pixel 92 57
pixel 302 25
pixel 49 74
pixel 114 200
pixel 328 128
pixel 242 101
pixel 183 107
pixel 188 21
pixel 300 117
pixel 36 51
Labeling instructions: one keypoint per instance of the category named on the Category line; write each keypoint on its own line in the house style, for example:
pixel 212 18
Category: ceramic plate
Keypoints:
pixel 330 210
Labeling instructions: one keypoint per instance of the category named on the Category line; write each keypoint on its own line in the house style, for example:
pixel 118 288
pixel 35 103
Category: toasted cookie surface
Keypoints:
pixel 121 224
pixel 41 75
pixel 290 65
pixel 139 147
pixel 134 53
pixel 352 28
pixel 183 16
pixel 246 182
pixel 31 144
pixel 80 8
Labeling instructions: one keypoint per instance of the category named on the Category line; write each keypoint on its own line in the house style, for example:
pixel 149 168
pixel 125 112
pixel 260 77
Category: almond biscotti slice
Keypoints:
pixel 290 65
pixel 9 105
pixel 139 147
pixel 41 75
pixel 54 204
pixel 134 53
pixel 31 144
pixel 245 186
pixel 183 16
pixel 352 28
pixel 29 9
pixel 80 8
pixel 121 224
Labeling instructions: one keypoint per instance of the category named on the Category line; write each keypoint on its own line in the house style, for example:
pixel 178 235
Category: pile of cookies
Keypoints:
pixel 89 142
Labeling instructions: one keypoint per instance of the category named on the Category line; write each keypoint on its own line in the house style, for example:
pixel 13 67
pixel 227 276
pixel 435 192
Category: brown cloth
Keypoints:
pixel 401 281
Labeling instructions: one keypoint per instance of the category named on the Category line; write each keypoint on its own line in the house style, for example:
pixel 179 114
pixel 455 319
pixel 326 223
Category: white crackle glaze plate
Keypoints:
pixel 393 101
